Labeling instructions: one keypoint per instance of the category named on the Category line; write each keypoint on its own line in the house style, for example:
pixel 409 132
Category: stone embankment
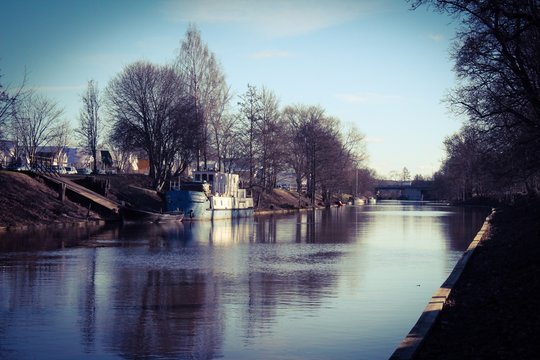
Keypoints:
pixel 492 310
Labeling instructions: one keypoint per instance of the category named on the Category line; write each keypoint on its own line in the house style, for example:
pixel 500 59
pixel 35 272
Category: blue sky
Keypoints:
pixel 373 63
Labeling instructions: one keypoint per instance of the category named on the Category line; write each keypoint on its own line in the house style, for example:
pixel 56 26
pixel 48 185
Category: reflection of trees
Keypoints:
pixel 174 311
pixel 47 239
pixel 464 225
pixel 290 290
pixel 169 313
pixel 166 235
pixel 34 287
pixel 293 278
pixel 320 226
pixel 266 230
pixel 87 303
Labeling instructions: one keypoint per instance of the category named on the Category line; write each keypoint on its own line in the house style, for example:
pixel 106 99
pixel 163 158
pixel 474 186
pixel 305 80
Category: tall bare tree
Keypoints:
pixel 153 111
pixel 9 99
pixel 90 121
pixel 296 157
pixel 206 85
pixel 251 114
pixel 498 66
pixel 220 124
pixel 271 155
pixel 37 122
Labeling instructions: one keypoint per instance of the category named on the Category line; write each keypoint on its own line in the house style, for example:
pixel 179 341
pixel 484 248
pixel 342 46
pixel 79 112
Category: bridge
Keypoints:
pixel 416 190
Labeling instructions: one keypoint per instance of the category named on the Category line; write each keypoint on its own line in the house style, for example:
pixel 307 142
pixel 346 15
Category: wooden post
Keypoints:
pixel 62 192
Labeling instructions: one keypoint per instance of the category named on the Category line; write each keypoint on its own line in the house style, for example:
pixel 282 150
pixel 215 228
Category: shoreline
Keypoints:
pixel 54 225
pixel 414 340
pixel 491 312
pixel 69 223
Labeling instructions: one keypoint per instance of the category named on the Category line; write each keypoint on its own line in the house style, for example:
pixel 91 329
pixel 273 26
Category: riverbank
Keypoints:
pixel 492 312
pixel 25 202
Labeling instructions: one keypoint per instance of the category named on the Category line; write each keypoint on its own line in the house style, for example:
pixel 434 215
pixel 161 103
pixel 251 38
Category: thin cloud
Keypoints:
pixel 437 37
pixel 275 18
pixel 367 98
pixel 271 54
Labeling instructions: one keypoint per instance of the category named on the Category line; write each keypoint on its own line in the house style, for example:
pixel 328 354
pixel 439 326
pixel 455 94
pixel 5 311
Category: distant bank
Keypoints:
pixel 27 202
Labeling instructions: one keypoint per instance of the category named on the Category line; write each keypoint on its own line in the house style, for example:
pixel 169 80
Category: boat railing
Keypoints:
pixel 177 185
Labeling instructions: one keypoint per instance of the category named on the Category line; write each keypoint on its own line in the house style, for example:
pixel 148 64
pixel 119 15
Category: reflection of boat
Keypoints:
pixel 212 195
pixel 130 214
pixel 358 201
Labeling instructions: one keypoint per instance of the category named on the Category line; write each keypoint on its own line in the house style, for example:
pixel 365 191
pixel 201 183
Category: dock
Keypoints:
pixel 78 192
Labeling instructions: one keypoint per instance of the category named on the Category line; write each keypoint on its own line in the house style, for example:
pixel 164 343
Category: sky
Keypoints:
pixel 372 63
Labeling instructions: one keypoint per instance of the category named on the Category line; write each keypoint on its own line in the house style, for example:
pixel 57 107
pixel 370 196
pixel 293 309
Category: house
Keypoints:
pixel 8 152
pixel 79 158
pixel 52 155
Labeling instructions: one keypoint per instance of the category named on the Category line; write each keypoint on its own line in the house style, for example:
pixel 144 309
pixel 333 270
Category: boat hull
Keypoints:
pixel 137 215
pixel 197 206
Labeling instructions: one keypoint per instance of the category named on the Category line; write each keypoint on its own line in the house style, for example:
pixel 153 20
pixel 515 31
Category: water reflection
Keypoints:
pixel 165 313
pixel 269 287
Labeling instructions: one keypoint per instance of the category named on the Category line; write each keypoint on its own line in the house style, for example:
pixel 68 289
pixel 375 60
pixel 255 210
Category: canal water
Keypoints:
pixel 342 283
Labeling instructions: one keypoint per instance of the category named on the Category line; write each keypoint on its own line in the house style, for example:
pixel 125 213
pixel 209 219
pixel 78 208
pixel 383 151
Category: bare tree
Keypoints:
pixel 296 157
pixel 9 99
pixel 318 152
pixel 497 64
pixel 251 113
pixel 270 137
pixel 308 131
pixel 220 124
pixel 231 146
pixel 61 140
pixel 153 111
pixel 90 122
pixel 37 122
pixel 122 156
pixel 206 85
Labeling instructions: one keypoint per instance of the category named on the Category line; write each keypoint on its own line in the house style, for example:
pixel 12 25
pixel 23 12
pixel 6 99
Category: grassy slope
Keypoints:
pixel 26 201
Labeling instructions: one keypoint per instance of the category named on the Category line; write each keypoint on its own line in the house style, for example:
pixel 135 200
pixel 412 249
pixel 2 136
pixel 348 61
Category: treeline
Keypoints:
pixel 497 61
pixel 184 114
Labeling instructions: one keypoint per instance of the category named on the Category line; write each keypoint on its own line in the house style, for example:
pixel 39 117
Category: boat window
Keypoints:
pixel 204 177
pixel 210 178
pixel 198 177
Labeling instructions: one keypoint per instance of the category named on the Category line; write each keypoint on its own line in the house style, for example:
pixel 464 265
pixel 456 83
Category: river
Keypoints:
pixel 341 283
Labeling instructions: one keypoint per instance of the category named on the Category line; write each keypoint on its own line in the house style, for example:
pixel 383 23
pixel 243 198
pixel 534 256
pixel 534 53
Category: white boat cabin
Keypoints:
pixel 216 183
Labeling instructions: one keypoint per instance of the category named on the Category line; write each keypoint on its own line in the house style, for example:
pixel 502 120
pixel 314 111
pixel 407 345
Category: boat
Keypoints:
pixel 130 214
pixel 211 195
